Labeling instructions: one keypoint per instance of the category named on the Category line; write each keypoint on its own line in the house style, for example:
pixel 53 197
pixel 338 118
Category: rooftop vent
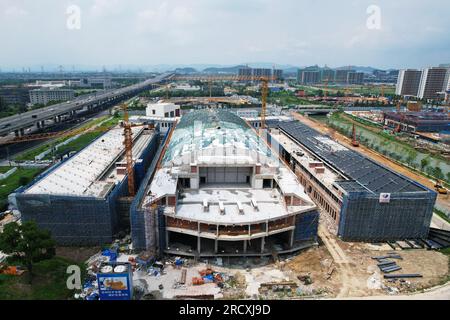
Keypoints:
pixel 205 205
pixel 255 204
pixel 240 207
pixel 221 208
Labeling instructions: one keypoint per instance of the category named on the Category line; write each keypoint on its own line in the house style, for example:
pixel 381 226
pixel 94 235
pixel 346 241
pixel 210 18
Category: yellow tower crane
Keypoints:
pixel 128 143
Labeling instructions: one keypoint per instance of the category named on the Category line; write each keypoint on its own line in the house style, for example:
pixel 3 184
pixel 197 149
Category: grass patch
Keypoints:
pixel 285 98
pixel 84 140
pixel 21 177
pixel 5 169
pixel 49 282
pixel 75 145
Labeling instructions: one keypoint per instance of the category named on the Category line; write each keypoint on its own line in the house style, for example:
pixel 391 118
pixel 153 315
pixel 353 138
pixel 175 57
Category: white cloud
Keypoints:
pixel 167 21
pixel 102 8
pixel 15 12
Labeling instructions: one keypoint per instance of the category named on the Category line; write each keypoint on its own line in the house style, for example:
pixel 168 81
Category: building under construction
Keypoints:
pixel 78 200
pixel 361 199
pixel 219 190
pixel 418 121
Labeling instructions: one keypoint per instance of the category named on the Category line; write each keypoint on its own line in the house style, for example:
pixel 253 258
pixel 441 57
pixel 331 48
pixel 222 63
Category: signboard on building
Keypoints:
pixel 385 197
pixel 115 282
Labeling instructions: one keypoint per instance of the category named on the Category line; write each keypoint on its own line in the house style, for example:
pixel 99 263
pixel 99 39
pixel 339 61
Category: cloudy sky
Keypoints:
pixel 412 33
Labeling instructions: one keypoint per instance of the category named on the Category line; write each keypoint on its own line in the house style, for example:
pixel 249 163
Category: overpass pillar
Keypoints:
pixel 17 133
pixel 22 132
pixel 43 123
pixel 38 125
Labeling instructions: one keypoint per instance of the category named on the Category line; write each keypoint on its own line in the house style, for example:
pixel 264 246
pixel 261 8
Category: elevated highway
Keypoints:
pixel 18 123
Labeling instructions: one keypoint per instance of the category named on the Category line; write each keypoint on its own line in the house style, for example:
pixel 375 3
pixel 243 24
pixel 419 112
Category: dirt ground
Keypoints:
pixel 76 254
pixel 359 278
pixel 363 277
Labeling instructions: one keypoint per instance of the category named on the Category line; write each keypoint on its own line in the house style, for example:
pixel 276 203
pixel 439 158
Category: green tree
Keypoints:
pixel 27 244
pixel 438 173
pixel 424 163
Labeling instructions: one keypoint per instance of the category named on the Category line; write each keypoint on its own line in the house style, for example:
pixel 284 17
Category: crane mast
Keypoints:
pixel 128 142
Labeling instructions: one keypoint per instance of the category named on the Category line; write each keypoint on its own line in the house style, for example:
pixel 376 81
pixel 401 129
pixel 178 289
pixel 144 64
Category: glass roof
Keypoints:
pixel 205 131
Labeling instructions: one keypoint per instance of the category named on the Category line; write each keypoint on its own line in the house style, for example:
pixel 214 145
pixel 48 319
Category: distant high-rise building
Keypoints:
pixel 408 82
pixel 355 77
pixel 277 74
pixel 342 76
pixel 328 75
pixel 433 83
pixel 246 72
pixel 262 72
pixel 308 77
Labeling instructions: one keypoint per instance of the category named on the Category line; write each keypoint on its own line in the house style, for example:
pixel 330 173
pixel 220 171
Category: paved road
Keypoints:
pixel 436 293
pixel 27 119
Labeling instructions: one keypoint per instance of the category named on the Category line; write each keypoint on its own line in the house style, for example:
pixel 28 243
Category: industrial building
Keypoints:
pixel 44 96
pixel 78 199
pixel 418 121
pixel 219 190
pixel 361 199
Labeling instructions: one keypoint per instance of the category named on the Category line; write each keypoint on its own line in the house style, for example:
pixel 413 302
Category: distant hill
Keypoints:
pixel 230 70
pixel 186 70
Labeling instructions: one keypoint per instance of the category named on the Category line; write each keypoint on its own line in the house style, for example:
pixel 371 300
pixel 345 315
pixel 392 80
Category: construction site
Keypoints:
pixel 222 207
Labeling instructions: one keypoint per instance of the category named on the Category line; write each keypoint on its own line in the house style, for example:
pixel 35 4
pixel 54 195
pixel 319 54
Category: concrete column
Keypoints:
pixel 198 245
pixel 22 132
pixel 38 125
pixel 291 239
pixel 167 238
pixel 245 246
pixel 42 123
pixel 216 246
pixel 263 239
pixel 17 133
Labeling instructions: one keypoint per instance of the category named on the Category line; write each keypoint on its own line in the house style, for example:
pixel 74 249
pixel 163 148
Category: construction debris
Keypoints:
pixel 401 276
pixel 208 275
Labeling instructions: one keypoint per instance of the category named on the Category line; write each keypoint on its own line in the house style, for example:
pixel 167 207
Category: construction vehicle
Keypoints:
pixel 439 187
pixel 355 142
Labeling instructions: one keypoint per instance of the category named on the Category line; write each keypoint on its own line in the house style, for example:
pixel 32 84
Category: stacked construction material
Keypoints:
pixel 386 264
